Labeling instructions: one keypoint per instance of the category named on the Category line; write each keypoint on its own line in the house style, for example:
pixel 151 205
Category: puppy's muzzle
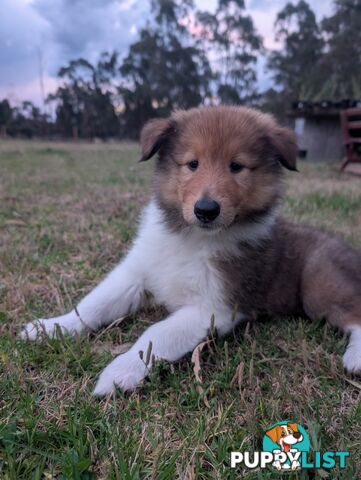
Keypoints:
pixel 206 210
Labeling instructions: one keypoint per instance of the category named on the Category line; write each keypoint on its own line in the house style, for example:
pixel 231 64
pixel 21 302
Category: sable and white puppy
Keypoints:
pixel 211 244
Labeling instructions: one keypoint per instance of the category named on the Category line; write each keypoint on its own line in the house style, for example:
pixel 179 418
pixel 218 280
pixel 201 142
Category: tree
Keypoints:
pixel 273 101
pixel 84 100
pixel 231 35
pixel 295 66
pixel 342 61
pixel 164 68
pixel 5 117
pixel 26 120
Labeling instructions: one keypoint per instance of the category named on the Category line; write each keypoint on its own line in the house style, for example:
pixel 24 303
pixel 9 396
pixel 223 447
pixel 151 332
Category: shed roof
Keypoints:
pixel 323 109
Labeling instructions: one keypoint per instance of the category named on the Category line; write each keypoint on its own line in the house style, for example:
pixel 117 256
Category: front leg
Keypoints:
pixel 169 340
pixel 120 293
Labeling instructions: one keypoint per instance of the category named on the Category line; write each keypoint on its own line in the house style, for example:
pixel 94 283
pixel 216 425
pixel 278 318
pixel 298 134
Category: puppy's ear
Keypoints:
pixel 274 434
pixel 285 147
pixel 154 135
pixel 293 426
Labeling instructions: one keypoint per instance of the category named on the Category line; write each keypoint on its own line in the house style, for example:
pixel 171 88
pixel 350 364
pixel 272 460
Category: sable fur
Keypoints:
pixel 296 270
pixel 215 136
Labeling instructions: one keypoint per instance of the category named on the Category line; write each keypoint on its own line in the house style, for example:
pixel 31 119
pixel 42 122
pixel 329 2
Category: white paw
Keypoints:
pixel 126 372
pixel 38 328
pixel 352 358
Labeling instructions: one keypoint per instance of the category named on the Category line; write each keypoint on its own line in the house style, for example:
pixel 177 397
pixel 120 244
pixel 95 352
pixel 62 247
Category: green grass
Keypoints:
pixel 67 214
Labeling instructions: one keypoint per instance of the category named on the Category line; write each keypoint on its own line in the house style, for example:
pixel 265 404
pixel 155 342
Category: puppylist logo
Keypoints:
pixel 286 447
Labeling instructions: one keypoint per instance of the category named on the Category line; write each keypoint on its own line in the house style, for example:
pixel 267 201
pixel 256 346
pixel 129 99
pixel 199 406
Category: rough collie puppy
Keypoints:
pixel 211 245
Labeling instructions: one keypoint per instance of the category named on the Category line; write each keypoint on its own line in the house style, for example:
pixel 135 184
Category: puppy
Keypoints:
pixel 286 436
pixel 211 245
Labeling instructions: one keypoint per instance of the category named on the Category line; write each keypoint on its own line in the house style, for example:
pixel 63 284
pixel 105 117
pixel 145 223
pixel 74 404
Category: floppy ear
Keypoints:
pixel 274 434
pixel 153 135
pixel 293 426
pixel 285 145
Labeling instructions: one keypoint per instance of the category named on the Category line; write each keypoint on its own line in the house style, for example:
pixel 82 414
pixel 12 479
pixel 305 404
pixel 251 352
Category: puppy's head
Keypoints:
pixel 285 435
pixel 217 166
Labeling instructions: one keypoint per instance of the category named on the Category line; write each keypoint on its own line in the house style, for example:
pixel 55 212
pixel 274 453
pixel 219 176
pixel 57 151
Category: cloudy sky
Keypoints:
pixel 47 33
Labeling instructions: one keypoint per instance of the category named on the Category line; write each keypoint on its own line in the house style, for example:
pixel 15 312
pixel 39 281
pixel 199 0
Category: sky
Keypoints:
pixel 43 35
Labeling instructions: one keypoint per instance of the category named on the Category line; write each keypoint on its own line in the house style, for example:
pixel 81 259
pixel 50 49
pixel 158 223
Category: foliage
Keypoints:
pixel 232 36
pixel 84 100
pixel 317 61
pixel 5 116
pixel 26 120
pixel 293 66
pixel 164 69
pixel 342 60
pixel 184 58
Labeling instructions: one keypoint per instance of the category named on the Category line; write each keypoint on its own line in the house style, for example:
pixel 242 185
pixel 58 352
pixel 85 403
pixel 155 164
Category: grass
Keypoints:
pixel 67 213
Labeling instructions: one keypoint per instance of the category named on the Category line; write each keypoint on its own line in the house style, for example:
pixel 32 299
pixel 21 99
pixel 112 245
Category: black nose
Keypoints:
pixel 206 210
pixel 297 434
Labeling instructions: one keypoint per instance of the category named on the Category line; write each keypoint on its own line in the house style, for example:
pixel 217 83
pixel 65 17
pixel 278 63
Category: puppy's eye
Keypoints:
pixel 283 434
pixel 193 165
pixel 235 167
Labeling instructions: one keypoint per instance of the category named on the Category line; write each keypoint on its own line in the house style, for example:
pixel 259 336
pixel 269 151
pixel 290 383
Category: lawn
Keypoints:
pixel 67 214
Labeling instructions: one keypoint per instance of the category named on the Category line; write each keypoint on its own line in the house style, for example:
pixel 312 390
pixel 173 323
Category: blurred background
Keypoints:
pixel 98 69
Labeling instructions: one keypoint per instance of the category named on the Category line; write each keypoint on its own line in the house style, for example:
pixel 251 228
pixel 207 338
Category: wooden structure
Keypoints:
pixel 351 131
pixel 318 132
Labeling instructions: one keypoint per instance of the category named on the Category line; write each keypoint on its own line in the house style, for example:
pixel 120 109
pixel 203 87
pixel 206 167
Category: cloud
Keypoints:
pixel 57 31
pixel 209 5
pixel 17 92
pixel 22 31
pixel 88 27
pixel 60 30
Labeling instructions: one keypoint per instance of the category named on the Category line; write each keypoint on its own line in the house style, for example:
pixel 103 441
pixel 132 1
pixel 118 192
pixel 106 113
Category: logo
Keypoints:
pixel 286 446
pixel 286 441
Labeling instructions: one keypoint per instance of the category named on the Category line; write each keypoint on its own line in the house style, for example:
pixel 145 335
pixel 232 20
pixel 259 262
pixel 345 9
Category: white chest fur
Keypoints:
pixel 180 269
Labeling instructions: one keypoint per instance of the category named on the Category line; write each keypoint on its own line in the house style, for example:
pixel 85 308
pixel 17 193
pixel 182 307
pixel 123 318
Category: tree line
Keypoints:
pixel 183 58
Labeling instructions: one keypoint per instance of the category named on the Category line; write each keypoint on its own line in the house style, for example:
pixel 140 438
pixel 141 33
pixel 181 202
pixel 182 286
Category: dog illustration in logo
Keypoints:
pixel 285 436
